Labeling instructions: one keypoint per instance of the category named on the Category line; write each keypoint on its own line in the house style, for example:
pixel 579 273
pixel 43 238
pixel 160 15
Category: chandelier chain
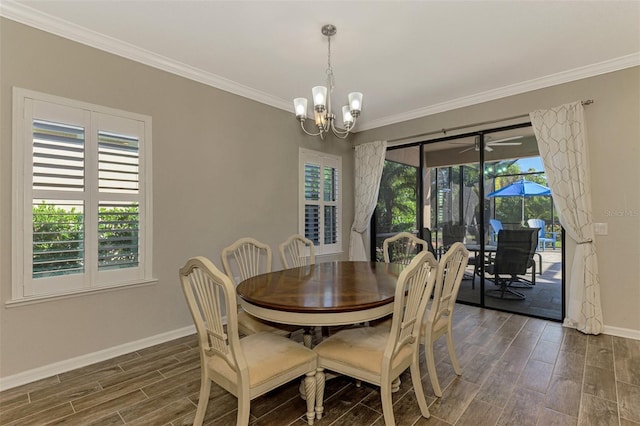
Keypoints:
pixel 329 68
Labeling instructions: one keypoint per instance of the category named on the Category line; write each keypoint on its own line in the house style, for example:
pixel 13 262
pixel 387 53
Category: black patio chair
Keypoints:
pixel 513 258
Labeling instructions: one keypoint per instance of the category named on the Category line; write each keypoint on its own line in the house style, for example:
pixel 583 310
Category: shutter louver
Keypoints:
pixel 118 228
pixel 311 182
pixel 118 162
pixel 312 211
pixel 312 223
pixel 330 225
pixel 58 156
pixel 58 238
pixel 57 225
pixel 118 221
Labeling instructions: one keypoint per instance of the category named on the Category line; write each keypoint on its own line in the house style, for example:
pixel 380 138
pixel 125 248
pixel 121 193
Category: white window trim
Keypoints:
pixel 323 159
pixel 21 205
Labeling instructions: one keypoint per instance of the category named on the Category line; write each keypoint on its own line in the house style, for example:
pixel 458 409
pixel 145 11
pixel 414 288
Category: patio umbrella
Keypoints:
pixel 521 188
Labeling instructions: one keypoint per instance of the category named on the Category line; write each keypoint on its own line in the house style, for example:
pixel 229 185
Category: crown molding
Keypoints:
pixel 34 18
pixel 592 70
pixel 15 11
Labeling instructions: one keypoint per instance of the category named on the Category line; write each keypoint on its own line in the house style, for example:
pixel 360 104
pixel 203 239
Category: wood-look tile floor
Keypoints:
pixel 516 371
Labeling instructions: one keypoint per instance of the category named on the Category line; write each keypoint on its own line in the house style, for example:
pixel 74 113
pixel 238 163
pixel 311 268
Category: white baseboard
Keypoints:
pixel 622 332
pixel 84 360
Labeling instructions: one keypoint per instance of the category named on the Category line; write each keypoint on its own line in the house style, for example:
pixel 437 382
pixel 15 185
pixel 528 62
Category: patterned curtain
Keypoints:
pixel 562 143
pixel 369 165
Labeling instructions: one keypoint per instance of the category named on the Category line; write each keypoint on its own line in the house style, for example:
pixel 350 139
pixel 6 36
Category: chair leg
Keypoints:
pixel 244 404
pixel 533 274
pixel 387 404
pixel 203 400
pixel 452 350
pixel 416 379
pixel 320 382
pixel 431 366
pixel 310 386
pixel 395 385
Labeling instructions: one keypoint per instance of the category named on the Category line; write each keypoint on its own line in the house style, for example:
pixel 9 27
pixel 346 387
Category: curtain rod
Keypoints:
pixel 444 131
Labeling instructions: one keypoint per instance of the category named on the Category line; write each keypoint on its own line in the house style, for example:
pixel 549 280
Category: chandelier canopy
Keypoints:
pixel 324 117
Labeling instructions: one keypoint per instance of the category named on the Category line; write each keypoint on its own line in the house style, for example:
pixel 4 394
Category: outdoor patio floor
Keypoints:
pixel 542 300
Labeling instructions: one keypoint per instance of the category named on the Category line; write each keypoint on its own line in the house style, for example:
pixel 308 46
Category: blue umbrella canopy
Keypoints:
pixel 521 188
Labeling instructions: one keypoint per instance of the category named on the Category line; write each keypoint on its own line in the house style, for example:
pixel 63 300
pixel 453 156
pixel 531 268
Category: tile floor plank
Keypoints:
pixel 598 411
pixel 515 370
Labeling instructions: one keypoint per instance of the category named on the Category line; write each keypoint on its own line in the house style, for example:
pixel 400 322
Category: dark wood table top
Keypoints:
pixel 332 287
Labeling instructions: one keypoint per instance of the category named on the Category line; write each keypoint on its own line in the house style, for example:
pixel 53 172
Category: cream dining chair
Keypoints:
pixel 297 251
pixel 378 356
pixel 439 317
pixel 246 258
pixel 402 247
pixel 247 367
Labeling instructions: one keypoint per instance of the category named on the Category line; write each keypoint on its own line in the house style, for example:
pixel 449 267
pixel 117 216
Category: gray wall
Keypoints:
pixel 613 132
pixel 224 167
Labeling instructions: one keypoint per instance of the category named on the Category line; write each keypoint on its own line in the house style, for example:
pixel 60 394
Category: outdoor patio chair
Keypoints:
pixel 544 237
pixel 514 257
pixel 248 367
pixel 496 226
pixel 244 259
pixel 452 233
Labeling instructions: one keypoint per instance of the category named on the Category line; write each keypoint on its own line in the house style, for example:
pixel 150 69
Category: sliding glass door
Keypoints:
pixel 449 190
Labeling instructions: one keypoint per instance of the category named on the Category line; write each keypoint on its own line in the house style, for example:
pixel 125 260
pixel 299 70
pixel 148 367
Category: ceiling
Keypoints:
pixel 409 58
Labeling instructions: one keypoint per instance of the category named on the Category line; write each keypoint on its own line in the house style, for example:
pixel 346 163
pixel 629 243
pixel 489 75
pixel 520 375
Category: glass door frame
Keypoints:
pixel 482 232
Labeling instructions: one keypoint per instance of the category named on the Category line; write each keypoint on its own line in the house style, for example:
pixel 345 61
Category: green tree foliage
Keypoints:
pixel 58 238
pixel 397 208
pixel 118 236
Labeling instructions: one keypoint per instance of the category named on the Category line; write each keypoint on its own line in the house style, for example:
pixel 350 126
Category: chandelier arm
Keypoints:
pixel 320 133
pixel 342 134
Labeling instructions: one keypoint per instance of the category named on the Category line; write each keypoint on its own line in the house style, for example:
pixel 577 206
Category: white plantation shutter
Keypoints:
pixel 320 200
pixel 81 219
pixel 58 168
pixel 312 202
pixel 119 204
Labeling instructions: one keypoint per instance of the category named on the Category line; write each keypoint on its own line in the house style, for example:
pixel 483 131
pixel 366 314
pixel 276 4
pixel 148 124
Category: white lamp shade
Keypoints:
pixel 300 107
pixel 347 118
pixel 355 102
pixel 319 96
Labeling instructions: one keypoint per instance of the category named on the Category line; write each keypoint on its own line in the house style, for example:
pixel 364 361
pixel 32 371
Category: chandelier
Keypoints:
pixel 324 117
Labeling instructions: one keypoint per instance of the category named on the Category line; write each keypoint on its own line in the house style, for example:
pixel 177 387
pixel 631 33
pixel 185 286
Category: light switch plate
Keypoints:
pixel 601 228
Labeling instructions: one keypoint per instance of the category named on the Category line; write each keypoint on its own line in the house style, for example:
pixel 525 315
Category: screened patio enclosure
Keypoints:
pixel 437 191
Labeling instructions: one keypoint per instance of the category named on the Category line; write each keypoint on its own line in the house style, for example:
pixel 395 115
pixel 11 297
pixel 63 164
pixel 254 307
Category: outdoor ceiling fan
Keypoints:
pixel 489 143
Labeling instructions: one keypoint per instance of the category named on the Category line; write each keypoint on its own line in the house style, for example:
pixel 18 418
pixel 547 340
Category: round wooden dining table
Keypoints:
pixel 324 294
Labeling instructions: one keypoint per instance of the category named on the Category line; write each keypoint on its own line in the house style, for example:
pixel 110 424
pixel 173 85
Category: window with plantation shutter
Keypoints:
pixel 82 214
pixel 320 200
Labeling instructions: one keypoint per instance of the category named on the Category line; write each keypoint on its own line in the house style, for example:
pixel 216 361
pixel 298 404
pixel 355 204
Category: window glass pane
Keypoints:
pixel 330 184
pixel 118 161
pixel 312 223
pixel 118 232
pixel 58 156
pixel 397 207
pixel 330 225
pixel 311 182
pixel 58 238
